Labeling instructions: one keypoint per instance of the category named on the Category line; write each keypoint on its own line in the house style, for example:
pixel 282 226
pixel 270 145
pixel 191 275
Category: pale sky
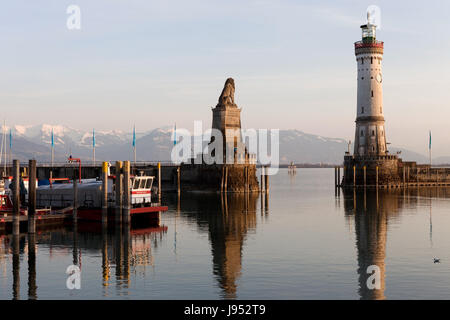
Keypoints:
pixel 154 63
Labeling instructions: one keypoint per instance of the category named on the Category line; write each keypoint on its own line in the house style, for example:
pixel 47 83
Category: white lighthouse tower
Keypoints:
pixel 370 137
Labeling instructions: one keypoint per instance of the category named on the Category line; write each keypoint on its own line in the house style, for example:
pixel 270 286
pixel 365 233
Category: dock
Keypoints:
pixel 41 221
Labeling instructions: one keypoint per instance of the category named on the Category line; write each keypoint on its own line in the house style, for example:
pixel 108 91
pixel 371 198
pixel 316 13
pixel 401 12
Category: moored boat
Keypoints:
pixel 90 195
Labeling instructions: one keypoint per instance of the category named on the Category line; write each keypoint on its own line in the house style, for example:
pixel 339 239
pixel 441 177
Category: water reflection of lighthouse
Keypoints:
pixel 371 211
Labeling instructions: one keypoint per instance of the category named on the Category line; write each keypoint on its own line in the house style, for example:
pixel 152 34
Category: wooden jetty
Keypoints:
pixel 59 217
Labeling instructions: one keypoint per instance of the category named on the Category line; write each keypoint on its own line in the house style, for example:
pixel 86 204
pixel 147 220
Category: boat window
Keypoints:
pixel 148 183
pixel 136 184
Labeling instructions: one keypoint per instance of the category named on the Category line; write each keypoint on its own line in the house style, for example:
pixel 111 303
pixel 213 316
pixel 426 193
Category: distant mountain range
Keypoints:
pixel 156 145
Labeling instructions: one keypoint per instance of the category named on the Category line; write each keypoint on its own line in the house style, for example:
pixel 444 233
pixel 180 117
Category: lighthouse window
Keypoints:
pixel 362 133
pixel 362 60
pixel 371 60
pixel 362 109
pixel 372 93
pixel 373 132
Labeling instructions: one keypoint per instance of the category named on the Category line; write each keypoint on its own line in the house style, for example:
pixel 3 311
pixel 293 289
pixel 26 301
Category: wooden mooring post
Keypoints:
pixel 376 177
pixel 222 178
pixel 16 198
pixel 262 179
pixel 119 191
pixel 354 176
pixel 32 197
pixel 404 177
pixel 104 192
pixel 225 187
pixel 159 181
pixel 339 176
pixel 266 179
pixel 126 192
pixel 365 176
pixel 75 198
pixel 335 177
pixel 178 179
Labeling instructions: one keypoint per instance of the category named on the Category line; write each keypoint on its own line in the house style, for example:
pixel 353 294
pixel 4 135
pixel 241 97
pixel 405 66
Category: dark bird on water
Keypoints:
pixel 437 260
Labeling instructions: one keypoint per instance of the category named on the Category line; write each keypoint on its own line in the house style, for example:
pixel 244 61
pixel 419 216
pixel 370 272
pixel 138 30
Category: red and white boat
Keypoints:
pixel 90 196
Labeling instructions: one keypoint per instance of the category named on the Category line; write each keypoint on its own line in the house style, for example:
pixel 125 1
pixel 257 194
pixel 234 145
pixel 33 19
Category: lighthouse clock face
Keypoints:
pixel 379 79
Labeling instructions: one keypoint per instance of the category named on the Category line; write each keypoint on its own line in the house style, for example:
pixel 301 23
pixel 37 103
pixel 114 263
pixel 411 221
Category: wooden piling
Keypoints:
pixel 344 170
pixel 159 181
pixel 32 197
pixel 226 179
pixel 75 198
pixel 222 179
pixel 119 191
pixel 339 176
pixel 262 179
pixel 354 176
pixel 407 179
pixel 245 179
pixel 104 192
pixel 126 192
pixel 335 177
pixel 364 176
pixel 179 179
pixel 404 176
pixel 376 178
pixel 266 178
pixel 16 198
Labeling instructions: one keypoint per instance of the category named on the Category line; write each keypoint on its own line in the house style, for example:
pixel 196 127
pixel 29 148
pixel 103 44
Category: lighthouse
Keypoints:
pixel 370 164
pixel 370 137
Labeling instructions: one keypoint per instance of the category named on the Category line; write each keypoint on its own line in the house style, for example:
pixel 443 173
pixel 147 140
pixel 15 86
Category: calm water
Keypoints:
pixel 305 243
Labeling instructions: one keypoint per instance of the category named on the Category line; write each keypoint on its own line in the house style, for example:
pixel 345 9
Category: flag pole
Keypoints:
pixel 3 155
pixel 10 145
pixel 52 159
pixel 430 148
pixel 134 144
pixel 93 145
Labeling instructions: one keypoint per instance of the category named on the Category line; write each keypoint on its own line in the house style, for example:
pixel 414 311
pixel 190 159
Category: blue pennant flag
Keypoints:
pixel 10 139
pixel 93 138
pixel 175 135
pixel 134 136
pixel 53 139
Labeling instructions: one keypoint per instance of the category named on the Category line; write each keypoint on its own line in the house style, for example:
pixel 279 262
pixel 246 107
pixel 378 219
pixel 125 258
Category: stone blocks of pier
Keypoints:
pixel 388 170
pixel 202 177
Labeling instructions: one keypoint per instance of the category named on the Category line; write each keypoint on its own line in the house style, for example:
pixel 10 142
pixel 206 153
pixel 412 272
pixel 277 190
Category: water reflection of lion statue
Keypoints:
pixel 227 96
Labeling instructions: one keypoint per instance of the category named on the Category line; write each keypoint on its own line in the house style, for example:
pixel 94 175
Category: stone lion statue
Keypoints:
pixel 227 96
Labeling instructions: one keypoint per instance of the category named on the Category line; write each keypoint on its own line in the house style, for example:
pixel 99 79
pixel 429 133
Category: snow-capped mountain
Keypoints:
pixel 156 145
